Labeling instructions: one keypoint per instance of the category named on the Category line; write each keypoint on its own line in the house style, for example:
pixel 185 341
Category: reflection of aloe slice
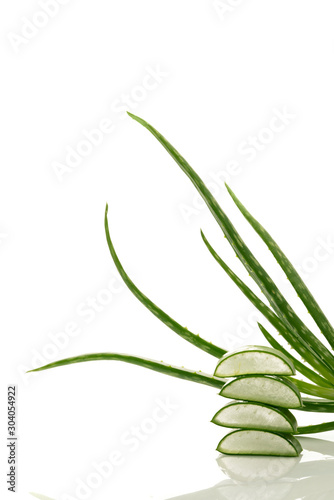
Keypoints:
pixel 309 488
pixel 311 468
pixel 277 491
pixel 313 488
pixel 247 469
pixel 322 446
pixel 40 497
pixel 228 490
pixel 209 494
pixel 274 478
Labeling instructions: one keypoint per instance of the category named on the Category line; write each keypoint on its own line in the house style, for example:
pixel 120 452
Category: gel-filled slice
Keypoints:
pixel 254 415
pixel 254 359
pixel 268 389
pixel 255 442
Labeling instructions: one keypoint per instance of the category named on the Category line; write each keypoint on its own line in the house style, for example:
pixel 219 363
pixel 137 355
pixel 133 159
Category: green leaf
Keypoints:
pixel 290 272
pixel 302 368
pixel 194 339
pixel 158 366
pixel 312 429
pixel 317 405
pixel 313 390
pixel 257 272
pixel 299 344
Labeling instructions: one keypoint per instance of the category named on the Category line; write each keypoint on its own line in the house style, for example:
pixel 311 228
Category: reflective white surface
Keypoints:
pixel 310 476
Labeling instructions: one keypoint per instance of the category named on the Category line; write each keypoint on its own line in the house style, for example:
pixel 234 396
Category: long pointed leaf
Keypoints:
pixel 305 370
pixel 194 339
pixel 313 390
pixel 158 366
pixel 317 405
pixel 312 429
pixel 257 272
pixel 321 405
pixel 300 345
pixel 290 272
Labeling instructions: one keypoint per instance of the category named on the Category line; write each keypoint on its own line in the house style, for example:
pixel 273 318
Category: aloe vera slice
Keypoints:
pixel 268 389
pixel 259 442
pixel 254 415
pixel 254 359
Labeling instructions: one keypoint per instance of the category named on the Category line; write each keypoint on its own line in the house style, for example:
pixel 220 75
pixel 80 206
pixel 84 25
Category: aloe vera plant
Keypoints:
pixel 279 313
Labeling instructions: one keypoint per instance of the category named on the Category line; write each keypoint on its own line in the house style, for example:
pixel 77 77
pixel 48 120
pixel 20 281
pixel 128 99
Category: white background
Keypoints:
pixel 223 77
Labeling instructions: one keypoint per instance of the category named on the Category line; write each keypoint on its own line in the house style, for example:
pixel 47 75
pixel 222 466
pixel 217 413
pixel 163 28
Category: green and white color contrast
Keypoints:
pixel 254 359
pixel 259 442
pixel 255 415
pixel 311 357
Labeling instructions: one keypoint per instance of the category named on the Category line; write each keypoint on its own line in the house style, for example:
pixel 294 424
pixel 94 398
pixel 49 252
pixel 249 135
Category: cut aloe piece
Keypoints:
pixel 256 442
pixel 246 415
pixel 268 389
pixel 254 359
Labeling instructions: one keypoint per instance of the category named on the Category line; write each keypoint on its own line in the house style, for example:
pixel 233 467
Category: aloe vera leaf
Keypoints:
pixel 290 272
pixel 40 497
pixel 158 366
pixel 194 339
pixel 313 390
pixel 308 404
pixel 305 370
pixel 300 345
pixel 257 272
pixel 312 429
pixel 317 405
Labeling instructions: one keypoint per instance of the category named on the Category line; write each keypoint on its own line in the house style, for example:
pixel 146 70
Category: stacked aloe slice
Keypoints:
pixel 263 395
